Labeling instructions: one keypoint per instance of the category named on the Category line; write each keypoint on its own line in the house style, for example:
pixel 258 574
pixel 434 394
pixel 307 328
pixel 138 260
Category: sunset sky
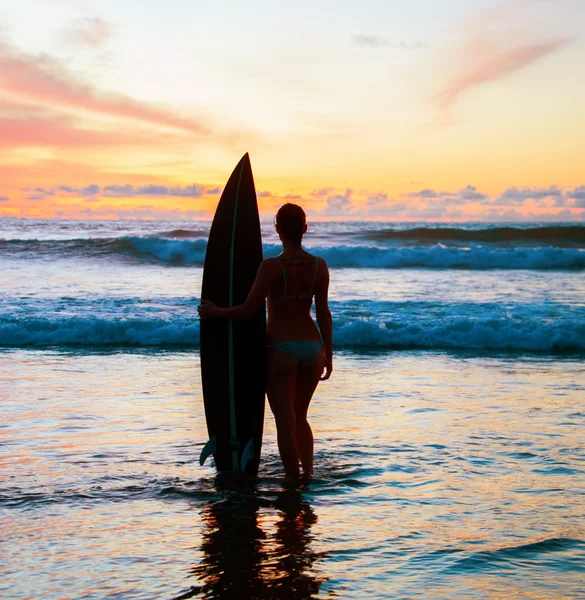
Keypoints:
pixel 393 109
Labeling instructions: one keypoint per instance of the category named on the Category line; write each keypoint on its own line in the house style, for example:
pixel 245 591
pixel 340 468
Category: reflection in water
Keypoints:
pixel 256 545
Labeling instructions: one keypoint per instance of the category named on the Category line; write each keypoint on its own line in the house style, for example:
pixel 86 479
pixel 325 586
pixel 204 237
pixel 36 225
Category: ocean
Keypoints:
pixel 449 449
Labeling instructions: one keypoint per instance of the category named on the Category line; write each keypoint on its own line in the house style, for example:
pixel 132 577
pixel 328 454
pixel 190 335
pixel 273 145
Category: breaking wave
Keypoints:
pixel 192 252
pixel 357 333
pixel 555 235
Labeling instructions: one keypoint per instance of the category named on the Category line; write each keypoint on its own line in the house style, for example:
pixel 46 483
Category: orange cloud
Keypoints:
pixel 59 132
pixel 161 200
pixel 500 41
pixel 43 80
pixel 491 67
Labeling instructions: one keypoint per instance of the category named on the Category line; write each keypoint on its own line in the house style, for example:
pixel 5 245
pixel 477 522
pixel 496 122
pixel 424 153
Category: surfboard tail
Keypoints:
pixel 208 449
pixel 247 455
pixel 211 447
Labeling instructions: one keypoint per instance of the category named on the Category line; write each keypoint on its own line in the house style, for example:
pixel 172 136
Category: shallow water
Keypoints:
pixel 438 475
pixel 449 445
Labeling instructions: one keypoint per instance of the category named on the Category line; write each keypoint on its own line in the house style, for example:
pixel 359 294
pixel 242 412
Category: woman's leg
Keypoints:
pixel 307 380
pixel 282 376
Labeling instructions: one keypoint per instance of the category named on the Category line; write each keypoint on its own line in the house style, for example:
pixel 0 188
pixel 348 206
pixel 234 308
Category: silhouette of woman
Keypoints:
pixel 299 353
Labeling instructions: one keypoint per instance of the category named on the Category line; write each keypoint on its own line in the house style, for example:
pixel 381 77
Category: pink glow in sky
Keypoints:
pixel 359 110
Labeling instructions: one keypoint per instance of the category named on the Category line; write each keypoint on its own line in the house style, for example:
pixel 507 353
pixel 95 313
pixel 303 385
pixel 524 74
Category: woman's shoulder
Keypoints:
pixel 319 260
pixel 311 255
pixel 270 262
pixel 298 259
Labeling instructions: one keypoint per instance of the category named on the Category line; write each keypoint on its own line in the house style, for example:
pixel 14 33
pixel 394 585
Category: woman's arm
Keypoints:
pixel 253 302
pixel 324 316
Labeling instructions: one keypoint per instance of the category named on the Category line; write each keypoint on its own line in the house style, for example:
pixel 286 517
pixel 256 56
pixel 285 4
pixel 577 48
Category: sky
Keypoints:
pixel 405 110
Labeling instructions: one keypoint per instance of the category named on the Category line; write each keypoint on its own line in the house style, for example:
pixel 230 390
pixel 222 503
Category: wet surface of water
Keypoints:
pixel 437 475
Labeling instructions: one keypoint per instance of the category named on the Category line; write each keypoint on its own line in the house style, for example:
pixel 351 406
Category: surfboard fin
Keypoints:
pixel 209 448
pixel 247 455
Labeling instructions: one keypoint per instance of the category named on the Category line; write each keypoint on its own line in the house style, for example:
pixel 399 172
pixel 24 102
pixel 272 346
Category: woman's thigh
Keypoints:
pixel 281 385
pixel 308 376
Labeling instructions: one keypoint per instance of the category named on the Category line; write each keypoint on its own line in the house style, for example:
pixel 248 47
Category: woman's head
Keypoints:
pixel 291 223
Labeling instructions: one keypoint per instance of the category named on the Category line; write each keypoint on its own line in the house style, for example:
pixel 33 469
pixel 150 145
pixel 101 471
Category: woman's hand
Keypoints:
pixel 328 366
pixel 206 309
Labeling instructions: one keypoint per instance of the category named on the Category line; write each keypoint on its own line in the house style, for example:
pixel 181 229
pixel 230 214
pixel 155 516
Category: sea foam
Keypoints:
pixel 471 333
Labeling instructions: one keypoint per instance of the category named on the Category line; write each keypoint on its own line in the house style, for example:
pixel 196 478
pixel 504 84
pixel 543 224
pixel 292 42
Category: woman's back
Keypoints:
pixel 291 297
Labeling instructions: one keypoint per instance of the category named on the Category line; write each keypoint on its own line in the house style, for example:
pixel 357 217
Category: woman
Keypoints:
pixel 299 353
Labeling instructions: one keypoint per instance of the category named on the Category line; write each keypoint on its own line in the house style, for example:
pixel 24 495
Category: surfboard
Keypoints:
pixel 233 352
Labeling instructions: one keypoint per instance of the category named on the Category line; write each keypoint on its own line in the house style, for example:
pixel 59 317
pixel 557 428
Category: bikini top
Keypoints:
pixel 308 296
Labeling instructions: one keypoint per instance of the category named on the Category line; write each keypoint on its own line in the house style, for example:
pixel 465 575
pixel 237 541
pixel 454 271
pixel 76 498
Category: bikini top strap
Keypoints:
pixel 315 275
pixel 283 274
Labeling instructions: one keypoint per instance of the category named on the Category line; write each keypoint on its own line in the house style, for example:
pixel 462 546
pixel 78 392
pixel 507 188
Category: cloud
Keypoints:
pixel 518 196
pixel 122 191
pixel 487 69
pixel 470 193
pixel 530 202
pixel 44 191
pixel 511 214
pixel 340 204
pixel 465 195
pixel 377 199
pixel 322 192
pixel 60 132
pixel 467 203
pixel 577 193
pixel 189 191
pixel 24 125
pixel 42 80
pixel 143 211
pixel 376 41
pixel 4 199
pixel 89 190
pixel 426 193
pixel 89 31
pixel 500 40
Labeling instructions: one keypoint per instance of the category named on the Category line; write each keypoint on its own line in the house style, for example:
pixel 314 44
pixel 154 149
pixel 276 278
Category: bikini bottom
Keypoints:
pixel 301 351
